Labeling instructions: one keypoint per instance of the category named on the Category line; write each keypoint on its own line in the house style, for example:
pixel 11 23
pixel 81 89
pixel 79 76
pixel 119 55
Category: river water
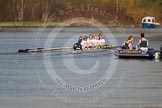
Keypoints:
pixel 62 79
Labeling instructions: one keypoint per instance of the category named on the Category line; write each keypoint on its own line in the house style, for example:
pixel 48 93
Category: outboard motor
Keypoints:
pixel 158 54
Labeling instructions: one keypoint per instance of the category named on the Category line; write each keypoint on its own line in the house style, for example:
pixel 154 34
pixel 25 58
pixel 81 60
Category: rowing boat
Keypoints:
pixel 94 50
pixel 42 50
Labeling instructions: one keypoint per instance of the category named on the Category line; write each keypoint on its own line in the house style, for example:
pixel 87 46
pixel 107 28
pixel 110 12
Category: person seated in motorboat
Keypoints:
pixel 131 39
pixel 129 43
pixel 143 44
pixel 125 45
pixel 77 46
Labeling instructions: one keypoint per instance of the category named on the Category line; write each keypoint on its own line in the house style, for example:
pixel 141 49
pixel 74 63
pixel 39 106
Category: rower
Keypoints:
pixel 97 41
pixel 94 41
pixel 81 38
pixel 102 41
pixel 90 41
pixel 143 43
pixel 84 42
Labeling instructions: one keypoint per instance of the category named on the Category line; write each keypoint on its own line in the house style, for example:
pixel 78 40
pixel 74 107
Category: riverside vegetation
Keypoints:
pixel 52 12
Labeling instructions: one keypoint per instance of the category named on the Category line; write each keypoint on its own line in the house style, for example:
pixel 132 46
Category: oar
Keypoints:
pixel 62 49
pixel 43 49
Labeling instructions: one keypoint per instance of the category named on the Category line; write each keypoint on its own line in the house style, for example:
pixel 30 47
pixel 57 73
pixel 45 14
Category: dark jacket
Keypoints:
pixel 77 46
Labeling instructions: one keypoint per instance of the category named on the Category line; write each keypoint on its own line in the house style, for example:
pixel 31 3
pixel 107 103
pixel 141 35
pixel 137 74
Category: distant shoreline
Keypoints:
pixel 126 26
pixel 112 29
pixel 53 24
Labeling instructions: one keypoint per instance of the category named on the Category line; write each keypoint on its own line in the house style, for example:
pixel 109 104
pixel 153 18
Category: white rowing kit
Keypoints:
pixel 84 43
pixel 102 41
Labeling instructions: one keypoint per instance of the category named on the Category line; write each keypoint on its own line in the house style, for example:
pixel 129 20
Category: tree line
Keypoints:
pixel 58 10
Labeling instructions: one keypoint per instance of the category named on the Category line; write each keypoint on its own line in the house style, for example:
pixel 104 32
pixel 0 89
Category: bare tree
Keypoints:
pixel 21 11
pixel 16 9
pixel 45 9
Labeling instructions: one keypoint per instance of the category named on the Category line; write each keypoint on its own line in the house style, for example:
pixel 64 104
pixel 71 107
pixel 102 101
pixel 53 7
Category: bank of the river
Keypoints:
pixel 56 24
pixel 80 29
pixel 28 24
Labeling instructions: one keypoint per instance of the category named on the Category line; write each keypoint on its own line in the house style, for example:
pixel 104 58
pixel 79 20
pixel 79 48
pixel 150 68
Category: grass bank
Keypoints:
pixel 28 24
pixel 54 24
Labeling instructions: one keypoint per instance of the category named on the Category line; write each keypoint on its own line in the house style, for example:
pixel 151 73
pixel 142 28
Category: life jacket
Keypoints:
pixel 143 43
pixel 126 45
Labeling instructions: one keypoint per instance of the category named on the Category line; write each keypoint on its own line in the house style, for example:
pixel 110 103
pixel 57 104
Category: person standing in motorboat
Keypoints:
pixel 129 43
pixel 143 43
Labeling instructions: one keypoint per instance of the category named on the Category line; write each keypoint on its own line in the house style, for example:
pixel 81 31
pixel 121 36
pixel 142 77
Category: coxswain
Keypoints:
pixel 77 46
